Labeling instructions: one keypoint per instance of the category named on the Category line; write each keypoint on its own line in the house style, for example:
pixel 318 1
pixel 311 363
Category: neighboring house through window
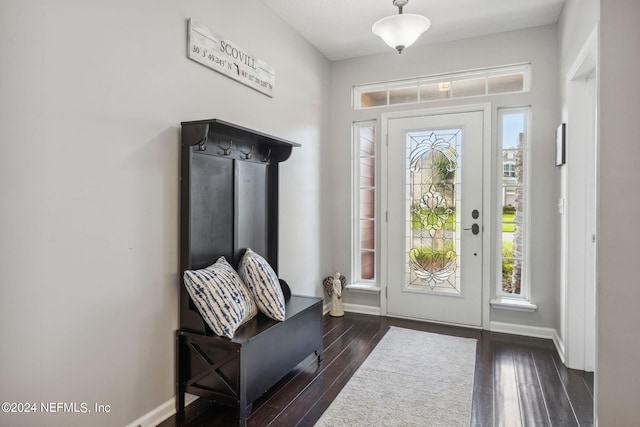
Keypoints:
pixel 512 139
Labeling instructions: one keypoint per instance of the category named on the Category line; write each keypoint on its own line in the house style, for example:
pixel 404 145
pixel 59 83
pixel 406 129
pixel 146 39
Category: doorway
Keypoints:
pixel 436 220
pixel 579 223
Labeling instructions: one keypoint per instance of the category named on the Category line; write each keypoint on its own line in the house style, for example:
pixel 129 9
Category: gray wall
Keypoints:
pixel 539 46
pixel 91 98
pixel 618 378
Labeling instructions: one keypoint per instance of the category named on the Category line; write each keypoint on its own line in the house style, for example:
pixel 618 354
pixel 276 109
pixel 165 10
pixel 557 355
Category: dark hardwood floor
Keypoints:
pixel 519 381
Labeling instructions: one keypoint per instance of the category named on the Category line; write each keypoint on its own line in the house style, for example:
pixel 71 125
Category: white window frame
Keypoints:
pixel 504 300
pixel 511 173
pixel 359 284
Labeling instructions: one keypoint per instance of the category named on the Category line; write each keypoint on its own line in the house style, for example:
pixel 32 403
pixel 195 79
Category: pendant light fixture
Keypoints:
pixel 401 30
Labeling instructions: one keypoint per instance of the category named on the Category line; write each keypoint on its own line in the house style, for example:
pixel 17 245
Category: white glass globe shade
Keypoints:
pixel 400 31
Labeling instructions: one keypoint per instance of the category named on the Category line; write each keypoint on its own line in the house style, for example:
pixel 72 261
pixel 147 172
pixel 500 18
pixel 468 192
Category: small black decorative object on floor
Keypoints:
pixel 228 203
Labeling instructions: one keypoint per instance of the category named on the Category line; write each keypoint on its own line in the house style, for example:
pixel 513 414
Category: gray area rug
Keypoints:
pixel 411 378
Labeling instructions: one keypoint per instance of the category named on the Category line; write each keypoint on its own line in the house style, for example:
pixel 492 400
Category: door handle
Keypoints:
pixel 475 229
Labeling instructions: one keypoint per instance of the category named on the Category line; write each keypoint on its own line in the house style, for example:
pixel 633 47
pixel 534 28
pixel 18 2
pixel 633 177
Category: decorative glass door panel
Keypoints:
pixel 434 228
pixel 433 244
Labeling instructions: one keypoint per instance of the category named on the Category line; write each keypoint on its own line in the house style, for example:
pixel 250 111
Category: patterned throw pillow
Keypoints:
pixel 263 282
pixel 222 299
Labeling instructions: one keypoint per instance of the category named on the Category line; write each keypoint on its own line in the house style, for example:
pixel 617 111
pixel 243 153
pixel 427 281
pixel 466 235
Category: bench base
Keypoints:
pixel 238 371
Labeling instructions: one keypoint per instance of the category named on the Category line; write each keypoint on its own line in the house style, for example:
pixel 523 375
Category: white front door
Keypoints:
pixel 435 218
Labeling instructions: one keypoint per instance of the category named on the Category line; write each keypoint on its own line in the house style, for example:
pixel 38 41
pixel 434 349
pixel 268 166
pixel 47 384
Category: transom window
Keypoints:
pixel 489 81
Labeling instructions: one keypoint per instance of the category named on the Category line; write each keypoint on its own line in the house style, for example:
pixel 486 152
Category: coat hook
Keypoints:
pixel 201 146
pixel 247 154
pixel 268 156
pixel 205 138
pixel 226 151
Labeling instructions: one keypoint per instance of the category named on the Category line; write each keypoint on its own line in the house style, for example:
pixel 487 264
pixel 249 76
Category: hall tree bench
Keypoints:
pixel 228 203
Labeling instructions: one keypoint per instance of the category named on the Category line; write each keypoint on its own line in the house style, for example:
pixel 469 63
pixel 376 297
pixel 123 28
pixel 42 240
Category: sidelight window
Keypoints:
pixel 513 142
pixel 364 240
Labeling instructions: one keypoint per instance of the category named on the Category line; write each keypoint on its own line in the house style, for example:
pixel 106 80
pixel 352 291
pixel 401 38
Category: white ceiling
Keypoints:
pixel 342 28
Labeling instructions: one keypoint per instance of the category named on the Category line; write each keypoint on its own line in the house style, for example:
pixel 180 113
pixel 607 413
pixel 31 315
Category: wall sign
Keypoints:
pixel 223 56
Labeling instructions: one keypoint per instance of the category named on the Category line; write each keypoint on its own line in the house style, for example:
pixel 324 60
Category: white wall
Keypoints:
pixel 91 98
pixel 537 46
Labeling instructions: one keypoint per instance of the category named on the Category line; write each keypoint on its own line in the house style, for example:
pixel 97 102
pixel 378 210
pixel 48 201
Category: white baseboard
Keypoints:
pixel 530 331
pixel 559 345
pixel 325 308
pixel 362 309
pixel 355 308
pixel 525 330
pixel 161 413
